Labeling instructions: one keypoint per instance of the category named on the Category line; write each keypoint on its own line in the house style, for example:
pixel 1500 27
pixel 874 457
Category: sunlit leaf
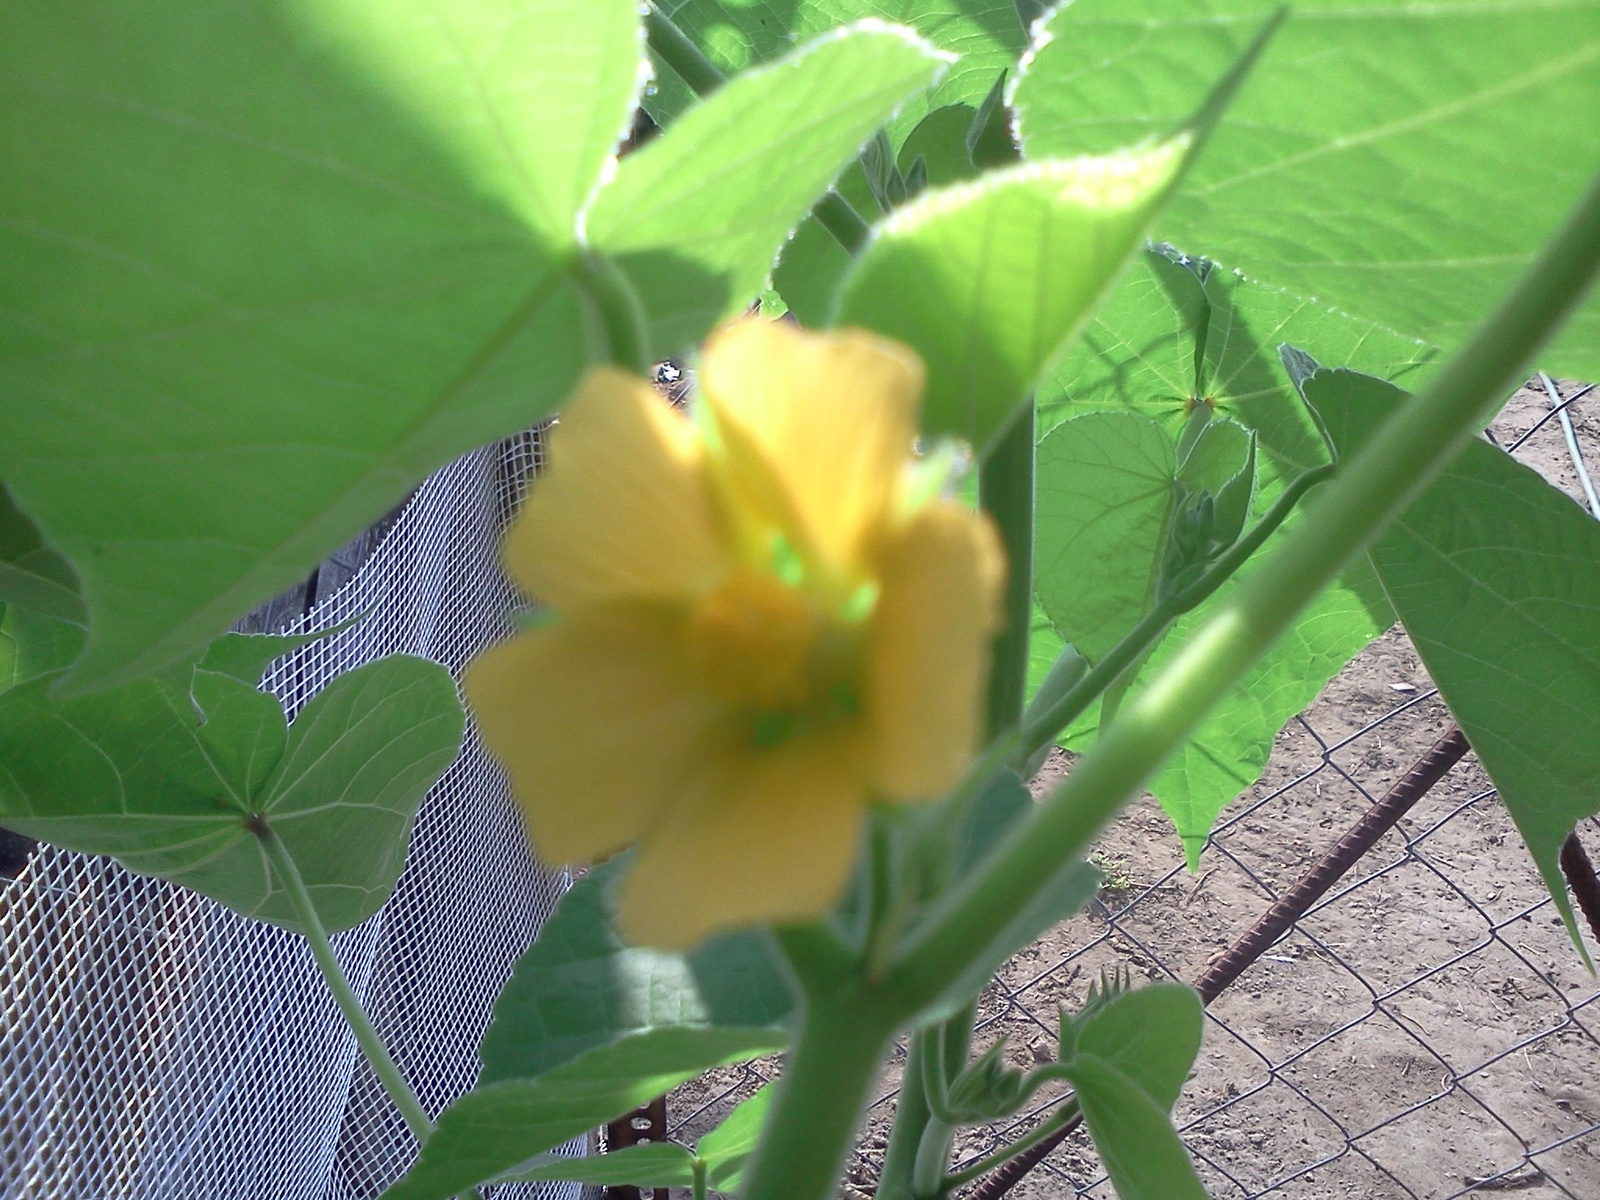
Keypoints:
pixel 989 280
pixel 266 266
pixel 1402 163
pixel 696 218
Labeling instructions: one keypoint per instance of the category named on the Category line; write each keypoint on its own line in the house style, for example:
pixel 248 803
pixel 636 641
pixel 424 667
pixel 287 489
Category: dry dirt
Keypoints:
pixel 1427 1031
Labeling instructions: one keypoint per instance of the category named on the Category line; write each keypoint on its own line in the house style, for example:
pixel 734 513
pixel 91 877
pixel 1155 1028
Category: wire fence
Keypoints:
pixel 1425 1031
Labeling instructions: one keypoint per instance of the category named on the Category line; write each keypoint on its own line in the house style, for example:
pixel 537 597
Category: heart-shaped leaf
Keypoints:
pixel 168 782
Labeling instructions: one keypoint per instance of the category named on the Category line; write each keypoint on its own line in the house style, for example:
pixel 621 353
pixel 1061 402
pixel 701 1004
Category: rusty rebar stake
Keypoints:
pixel 1289 908
pixel 1575 865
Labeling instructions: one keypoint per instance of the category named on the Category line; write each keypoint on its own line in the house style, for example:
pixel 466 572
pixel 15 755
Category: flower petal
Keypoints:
pixel 623 509
pixel 596 719
pixel 830 416
pixel 761 836
pixel 941 575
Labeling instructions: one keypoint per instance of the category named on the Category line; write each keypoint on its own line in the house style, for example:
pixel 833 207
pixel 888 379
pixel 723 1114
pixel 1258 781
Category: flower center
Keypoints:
pixel 752 640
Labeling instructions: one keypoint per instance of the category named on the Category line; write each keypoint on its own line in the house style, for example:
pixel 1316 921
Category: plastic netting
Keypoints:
pixel 155 1046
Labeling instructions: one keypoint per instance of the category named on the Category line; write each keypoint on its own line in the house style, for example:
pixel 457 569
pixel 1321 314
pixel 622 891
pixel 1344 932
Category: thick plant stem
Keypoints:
pixel 1005 490
pixel 1414 444
pixel 317 937
pixel 911 1118
pixel 821 1095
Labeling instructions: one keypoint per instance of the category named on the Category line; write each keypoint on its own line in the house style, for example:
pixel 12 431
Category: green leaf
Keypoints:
pixel 1150 1035
pixel 940 138
pixel 1071 889
pixel 985 33
pixel 1400 163
pixel 989 280
pixel 134 773
pixel 1104 488
pixel 654 1164
pixel 1133 1135
pixel 727 1148
pixel 1178 330
pixel 491 1131
pixel 33 576
pixel 1496 575
pixel 809 273
pixel 278 263
pixel 246 656
pixel 696 218
pixel 1128 1062
pixel 1175 331
pixel 580 987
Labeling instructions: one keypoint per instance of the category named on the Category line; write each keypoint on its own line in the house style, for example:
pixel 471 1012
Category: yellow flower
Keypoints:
pixel 760 630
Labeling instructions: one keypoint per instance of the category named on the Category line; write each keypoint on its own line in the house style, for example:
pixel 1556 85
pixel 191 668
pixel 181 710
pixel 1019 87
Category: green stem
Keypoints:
pixel 1005 490
pixel 911 1118
pixel 1065 1115
pixel 317 937
pixel 1414 444
pixel 844 1034
pixel 675 48
pixel 1039 731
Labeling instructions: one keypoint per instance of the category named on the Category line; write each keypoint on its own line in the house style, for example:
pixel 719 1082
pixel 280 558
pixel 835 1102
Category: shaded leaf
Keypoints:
pixel 580 986
pixel 985 33
pixel 133 772
pixel 1133 1135
pixel 491 1131
pixel 1496 575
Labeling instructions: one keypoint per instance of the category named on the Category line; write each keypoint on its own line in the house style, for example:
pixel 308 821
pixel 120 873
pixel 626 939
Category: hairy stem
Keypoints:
pixel 1414 444
pixel 355 1016
pixel 843 1037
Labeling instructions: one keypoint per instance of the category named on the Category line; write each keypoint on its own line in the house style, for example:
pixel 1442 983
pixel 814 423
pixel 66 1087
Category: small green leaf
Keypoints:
pixel 246 656
pixel 491 1131
pixel 1150 1035
pixel 133 772
pixel 984 33
pixel 940 140
pixel 1128 1061
pixel 989 280
pixel 1133 1135
pixel 654 1164
pixel 987 1089
pixel 727 1148
pixel 698 215
pixel 580 987
pixel 1496 575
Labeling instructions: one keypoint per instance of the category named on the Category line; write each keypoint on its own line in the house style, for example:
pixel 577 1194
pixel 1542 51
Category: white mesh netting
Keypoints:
pixel 156 1045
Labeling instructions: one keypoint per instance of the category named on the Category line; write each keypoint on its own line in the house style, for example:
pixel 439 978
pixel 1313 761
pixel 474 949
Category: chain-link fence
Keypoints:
pixel 1425 1031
